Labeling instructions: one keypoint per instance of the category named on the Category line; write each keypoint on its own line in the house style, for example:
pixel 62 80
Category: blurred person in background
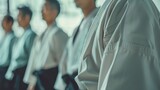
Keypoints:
pixel 6 48
pixel 70 60
pixel 2 34
pixel 88 71
pixel 43 64
pixel 21 51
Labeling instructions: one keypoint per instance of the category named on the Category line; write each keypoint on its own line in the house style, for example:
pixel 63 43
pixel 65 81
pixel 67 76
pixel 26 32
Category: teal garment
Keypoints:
pixel 1 36
pixel 21 52
pixel 6 49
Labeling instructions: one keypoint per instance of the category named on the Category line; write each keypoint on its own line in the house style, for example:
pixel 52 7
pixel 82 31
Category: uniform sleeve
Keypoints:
pixel 29 77
pixel 88 72
pixel 134 63
pixel 59 44
pixel 63 62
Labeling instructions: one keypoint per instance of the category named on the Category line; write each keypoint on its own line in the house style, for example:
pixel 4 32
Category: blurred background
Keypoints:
pixel 69 18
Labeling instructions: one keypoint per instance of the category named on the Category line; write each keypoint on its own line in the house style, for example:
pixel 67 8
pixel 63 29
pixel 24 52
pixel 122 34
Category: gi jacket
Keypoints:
pixel 131 59
pixel 21 52
pixel 124 54
pixel 6 49
pixel 47 51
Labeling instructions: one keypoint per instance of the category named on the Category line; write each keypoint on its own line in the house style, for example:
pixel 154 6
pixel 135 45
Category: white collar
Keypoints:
pixel 157 4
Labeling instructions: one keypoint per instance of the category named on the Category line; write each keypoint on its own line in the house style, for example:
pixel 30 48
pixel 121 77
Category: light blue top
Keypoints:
pixel 6 49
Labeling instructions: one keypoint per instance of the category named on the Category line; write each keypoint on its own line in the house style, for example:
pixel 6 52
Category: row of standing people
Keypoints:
pixel 45 51
pixel 117 50
pixel 40 68
pixel 15 51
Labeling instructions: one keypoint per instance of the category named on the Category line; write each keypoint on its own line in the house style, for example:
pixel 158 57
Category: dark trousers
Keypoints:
pixel 9 85
pixel 17 81
pixel 46 78
pixel 70 82
pixel 3 81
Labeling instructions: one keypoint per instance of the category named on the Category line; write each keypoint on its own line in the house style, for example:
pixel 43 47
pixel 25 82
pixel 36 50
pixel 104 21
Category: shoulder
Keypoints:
pixel 32 33
pixel 60 34
pixel 144 7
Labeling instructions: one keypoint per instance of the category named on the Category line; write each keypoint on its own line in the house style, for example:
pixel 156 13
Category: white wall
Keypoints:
pixel 68 19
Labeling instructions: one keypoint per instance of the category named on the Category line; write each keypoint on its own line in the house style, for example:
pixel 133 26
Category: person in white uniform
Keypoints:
pixel 43 64
pixel 128 30
pixel 87 78
pixel 6 49
pixel 21 51
pixel 133 62
pixel 70 60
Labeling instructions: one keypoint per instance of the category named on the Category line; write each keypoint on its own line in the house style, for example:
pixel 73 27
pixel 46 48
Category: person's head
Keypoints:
pixel 50 10
pixel 84 3
pixel 24 16
pixel 7 23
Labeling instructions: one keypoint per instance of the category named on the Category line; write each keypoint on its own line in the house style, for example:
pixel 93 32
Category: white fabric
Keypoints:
pixel 157 4
pixel 133 61
pixel 46 52
pixel 87 78
pixel 124 54
pixel 70 59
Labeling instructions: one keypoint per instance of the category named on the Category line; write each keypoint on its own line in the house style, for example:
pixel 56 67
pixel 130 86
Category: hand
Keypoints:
pixel 66 78
pixel 31 87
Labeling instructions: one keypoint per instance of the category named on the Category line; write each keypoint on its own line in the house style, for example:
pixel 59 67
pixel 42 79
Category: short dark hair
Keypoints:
pixel 8 18
pixel 25 11
pixel 54 4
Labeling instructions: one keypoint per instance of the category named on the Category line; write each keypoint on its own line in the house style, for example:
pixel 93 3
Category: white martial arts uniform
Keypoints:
pixel 74 50
pixel 131 58
pixel 70 59
pixel 46 52
pixel 87 78
pixel 128 30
